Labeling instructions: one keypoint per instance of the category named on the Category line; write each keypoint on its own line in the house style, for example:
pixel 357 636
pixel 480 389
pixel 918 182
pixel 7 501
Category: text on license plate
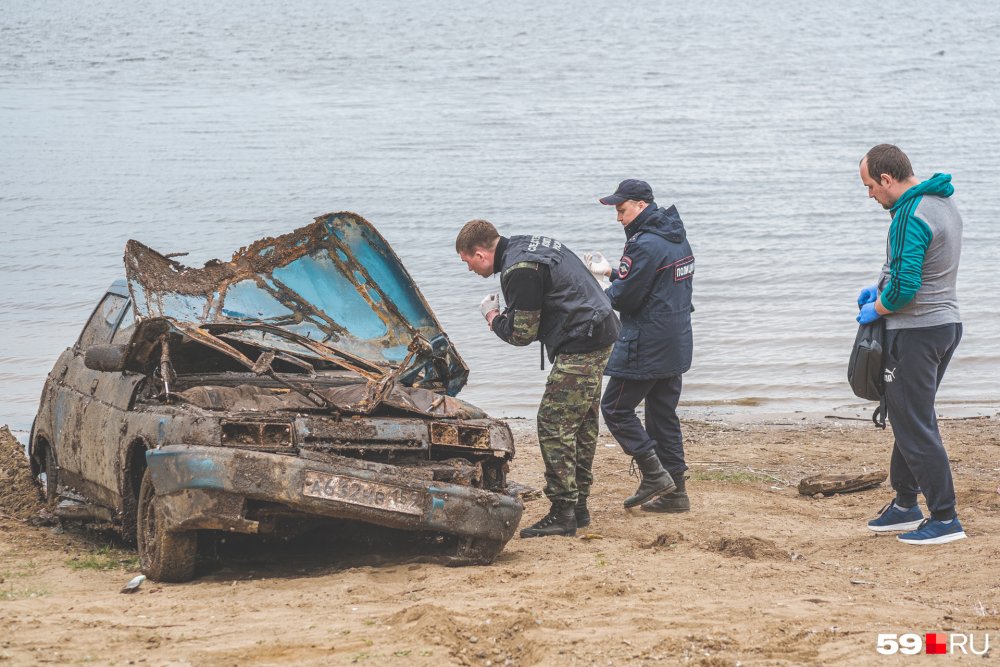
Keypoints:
pixel 362 492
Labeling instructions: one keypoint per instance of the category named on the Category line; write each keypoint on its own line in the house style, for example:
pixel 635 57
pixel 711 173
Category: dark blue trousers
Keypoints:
pixel 662 432
pixel 916 362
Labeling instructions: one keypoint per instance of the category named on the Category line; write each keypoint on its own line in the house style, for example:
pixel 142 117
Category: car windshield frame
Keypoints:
pixel 335 283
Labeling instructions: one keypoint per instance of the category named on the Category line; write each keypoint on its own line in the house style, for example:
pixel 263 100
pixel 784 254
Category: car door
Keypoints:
pixel 106 420
pixel 74 441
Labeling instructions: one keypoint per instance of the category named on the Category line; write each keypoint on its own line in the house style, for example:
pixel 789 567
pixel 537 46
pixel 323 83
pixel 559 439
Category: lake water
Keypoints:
pixel 203 126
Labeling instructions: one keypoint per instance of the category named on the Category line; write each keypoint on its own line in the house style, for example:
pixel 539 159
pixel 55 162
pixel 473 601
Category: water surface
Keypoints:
pixel 203 126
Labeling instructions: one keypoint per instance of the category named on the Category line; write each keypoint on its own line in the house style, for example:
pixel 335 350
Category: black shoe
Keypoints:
pixel 582 513
pixel 674 502
pixel 655 480
pixel 561 520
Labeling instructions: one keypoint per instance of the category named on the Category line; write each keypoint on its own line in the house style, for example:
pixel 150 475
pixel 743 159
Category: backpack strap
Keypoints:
pixel 879 414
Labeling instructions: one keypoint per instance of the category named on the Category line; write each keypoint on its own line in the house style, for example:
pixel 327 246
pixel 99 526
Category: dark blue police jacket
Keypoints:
pixel 651 289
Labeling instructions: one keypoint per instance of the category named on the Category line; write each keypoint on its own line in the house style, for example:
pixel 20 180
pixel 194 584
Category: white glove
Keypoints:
pixel 597 264
pixel 489 303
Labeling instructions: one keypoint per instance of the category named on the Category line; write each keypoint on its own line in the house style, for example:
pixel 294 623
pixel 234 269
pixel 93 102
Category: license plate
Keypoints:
pixel 362 492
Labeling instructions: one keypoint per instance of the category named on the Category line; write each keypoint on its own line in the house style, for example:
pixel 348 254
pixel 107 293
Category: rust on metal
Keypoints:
pixel 304 380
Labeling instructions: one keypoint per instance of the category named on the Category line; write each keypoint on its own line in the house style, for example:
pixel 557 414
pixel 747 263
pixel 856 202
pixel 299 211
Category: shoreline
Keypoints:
pixel 739 414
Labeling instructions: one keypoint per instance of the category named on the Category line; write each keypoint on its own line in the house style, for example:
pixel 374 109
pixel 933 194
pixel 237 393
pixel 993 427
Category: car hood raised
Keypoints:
pixel 336 282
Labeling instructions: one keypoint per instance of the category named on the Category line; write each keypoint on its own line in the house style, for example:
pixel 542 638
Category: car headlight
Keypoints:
pixel 257 434
pixel 460 435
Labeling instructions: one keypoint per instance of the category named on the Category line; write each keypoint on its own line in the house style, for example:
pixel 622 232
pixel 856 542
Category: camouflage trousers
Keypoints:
pixel 567 423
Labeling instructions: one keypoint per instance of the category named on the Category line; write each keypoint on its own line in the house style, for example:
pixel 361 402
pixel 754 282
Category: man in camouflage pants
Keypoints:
pixel 551 297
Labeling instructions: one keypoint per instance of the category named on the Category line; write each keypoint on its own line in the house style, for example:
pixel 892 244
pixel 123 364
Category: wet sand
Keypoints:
pixel 755 574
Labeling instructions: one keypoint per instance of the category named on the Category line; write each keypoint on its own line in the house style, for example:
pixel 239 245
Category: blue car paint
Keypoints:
pixel 195 473
pixel 436 503
pixel 319 282
pixel 254 304
pixel 119 287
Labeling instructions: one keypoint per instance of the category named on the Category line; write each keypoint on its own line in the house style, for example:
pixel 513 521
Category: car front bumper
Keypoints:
pixel 199 487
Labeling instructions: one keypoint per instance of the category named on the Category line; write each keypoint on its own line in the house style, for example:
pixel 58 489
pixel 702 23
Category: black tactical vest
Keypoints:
pixel 573 304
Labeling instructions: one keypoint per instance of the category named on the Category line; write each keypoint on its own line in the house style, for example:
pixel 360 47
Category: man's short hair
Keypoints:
pixel 888 159
pixel 476 235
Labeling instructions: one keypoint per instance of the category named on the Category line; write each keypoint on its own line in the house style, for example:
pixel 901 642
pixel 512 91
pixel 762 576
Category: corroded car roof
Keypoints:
pixel 335 285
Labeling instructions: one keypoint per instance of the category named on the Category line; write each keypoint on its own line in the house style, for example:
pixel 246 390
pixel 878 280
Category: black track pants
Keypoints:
pixel 916 362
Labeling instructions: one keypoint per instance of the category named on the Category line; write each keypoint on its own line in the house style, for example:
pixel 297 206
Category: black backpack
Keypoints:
pixel 866 367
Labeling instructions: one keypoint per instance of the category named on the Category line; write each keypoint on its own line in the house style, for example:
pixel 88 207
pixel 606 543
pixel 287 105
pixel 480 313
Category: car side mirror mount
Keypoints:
pixel 106 358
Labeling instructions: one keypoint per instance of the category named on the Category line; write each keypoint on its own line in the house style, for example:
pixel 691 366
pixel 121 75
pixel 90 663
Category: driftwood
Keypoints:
pixel 831 484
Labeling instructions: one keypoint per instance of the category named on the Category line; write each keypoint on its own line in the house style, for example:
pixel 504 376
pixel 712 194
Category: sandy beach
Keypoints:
pixel 755 574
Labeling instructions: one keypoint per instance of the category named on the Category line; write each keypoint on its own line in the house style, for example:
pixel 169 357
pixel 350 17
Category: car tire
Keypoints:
pixel 475 551
pixel 163 556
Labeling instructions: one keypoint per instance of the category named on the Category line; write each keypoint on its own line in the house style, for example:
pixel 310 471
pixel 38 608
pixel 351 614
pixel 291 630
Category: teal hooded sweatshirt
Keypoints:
pixel 918 281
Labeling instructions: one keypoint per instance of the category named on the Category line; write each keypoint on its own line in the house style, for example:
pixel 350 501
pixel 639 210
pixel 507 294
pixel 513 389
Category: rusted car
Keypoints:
pixel 306 379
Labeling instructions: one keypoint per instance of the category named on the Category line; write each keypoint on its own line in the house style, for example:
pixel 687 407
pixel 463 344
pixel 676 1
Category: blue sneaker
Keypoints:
pixel 891 517
pixel 932 531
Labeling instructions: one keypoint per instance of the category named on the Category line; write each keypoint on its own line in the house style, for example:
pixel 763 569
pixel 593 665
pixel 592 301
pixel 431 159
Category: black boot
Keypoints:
pixel 582 513
pixel 655 480
pixel 674 502
pixel 561 520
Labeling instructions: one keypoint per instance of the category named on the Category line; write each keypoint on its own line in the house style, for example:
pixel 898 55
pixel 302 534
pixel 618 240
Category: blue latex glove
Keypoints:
pixel 868 314
pixel 867 295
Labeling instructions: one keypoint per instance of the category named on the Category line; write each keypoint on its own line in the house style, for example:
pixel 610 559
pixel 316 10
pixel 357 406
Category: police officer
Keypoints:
pixel 651 289
pixel 551 297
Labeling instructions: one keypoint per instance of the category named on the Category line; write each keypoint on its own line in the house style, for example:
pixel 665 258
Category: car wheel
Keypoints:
pixel 475 551
pixel 51 488
pixel 163 555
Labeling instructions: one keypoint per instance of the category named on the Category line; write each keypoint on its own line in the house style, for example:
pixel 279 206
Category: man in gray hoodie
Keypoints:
pixel 916 294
